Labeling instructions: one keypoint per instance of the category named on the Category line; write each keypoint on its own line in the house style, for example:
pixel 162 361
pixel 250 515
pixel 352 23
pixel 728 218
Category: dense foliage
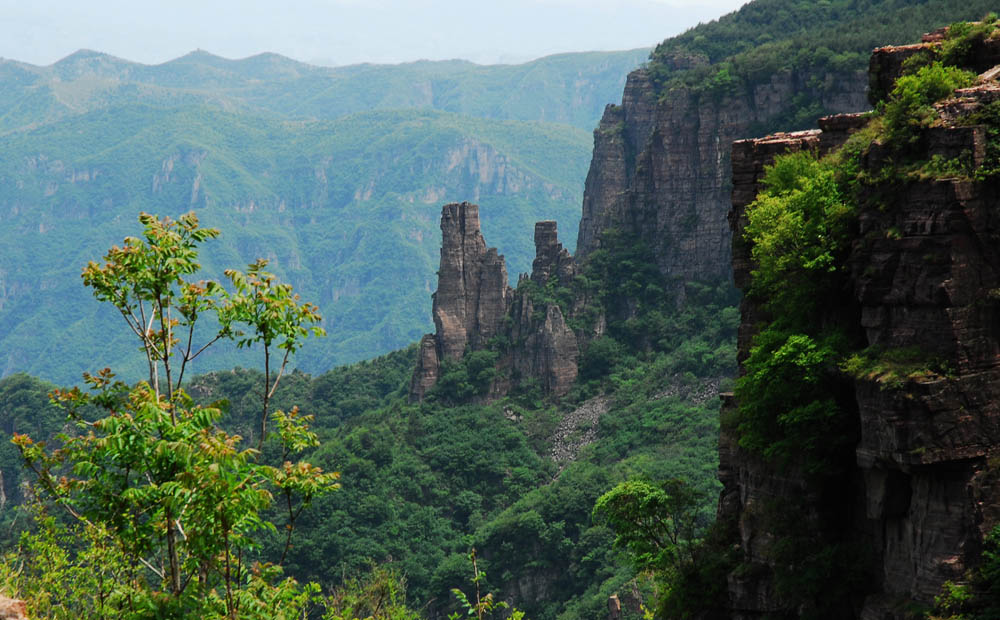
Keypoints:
pixel 165 503
pixel 425 483
pixel 796 404
pixel 815 41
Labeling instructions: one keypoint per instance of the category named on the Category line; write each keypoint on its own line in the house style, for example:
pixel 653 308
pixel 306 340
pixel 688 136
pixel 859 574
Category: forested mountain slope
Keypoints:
pixel 346 210
pixel 334 174
pixel 516 472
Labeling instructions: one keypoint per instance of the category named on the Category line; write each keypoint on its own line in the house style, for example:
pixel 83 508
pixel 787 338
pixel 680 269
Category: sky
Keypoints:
pixel 340 32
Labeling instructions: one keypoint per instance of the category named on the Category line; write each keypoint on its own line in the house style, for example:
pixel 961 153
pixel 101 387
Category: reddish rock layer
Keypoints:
pixel 12 609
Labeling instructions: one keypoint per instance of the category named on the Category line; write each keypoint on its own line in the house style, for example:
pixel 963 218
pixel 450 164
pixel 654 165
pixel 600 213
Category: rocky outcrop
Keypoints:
pixel 551 259
pixel 472 294
pixel 12 609
pixel 474 304
pixel 887 62
pixel 886 65
pixel 543 349
pixel 660 175
pixel 661 164
pixel 428 369
pixel 472 297
pixel 922 486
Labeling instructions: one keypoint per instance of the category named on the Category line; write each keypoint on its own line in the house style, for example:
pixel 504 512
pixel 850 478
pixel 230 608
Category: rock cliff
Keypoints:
pixel 474 305
pixel 753 488
pixel 660 175
pixel 472 297
pixel 661 164
pixel 921 486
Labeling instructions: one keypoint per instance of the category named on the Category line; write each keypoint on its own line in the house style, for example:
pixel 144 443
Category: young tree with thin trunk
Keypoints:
pixel 175 498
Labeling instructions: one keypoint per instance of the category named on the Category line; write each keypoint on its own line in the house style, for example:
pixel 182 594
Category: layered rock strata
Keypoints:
pixel 472 293
pixel 472 297
pixel 551 258
pixel 752 487
pixel 474 304
pixel 923 489
pixel 661 165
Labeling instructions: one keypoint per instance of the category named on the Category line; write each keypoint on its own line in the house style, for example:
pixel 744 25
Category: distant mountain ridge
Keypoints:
pixel 565 88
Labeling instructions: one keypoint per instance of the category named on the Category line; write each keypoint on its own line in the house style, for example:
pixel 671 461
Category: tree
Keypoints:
pixel 153 480
pixel 655 523
pixel 483 605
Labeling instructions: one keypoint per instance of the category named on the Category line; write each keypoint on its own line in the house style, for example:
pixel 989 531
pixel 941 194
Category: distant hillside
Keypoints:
pixel 346 210
pixel 335 174
pixel 566 88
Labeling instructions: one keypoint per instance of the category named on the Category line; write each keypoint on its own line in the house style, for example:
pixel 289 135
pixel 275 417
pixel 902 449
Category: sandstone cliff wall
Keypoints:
pixel 474 304
pixel 661 164
pixel 922 488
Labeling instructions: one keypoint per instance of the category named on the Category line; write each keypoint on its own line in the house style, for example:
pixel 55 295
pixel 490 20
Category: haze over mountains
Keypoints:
pixel 334 174
pixel 566 88
pixel 343 32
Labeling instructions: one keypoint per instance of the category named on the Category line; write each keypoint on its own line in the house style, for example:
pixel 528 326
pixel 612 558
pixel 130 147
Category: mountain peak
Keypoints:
pixel 90 62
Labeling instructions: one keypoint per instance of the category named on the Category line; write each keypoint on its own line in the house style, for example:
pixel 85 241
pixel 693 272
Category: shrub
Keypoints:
pixel 910 108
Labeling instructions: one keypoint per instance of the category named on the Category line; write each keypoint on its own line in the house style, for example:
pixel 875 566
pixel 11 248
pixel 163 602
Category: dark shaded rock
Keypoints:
pixel 547 350
pixel 953 143
pixel 886 65
pixel 428 369
pixel 924 271
pixel 661 167
pixel 614 608
pixel 474 303
pixel 550 256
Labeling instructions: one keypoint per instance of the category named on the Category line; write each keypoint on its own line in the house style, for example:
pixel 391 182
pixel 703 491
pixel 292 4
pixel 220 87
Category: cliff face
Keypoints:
pixel 661 167
pixel 471 299
pixel 474 304
pixel 921 490
pixel 753 488
pixel 659 174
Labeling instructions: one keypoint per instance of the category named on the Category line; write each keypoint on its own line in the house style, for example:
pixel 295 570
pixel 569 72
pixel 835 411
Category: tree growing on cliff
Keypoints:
pixel 170 503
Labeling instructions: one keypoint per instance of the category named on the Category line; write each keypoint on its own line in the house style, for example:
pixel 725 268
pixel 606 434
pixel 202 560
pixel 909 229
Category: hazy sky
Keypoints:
pixel 343 31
